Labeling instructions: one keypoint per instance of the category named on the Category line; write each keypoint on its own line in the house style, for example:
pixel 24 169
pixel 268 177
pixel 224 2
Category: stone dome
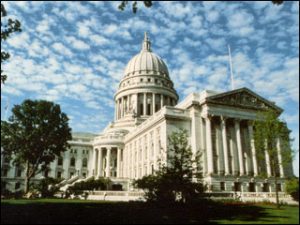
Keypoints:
pixel 146 62
pixel 145 87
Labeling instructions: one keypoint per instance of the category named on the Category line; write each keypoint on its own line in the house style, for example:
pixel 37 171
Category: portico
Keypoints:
pixel 107 161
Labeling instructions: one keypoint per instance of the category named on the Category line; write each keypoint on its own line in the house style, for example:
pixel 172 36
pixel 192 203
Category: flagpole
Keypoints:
pixel 231 73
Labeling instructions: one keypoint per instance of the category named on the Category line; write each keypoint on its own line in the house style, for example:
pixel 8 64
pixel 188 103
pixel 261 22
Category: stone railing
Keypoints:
pixel 116 195
pixel 109 138
pixel 251 196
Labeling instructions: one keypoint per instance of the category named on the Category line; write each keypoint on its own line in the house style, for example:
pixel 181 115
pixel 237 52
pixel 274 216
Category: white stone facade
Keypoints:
pixel 147 111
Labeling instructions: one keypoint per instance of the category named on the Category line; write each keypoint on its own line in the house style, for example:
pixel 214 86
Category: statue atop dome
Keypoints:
pixel 146 43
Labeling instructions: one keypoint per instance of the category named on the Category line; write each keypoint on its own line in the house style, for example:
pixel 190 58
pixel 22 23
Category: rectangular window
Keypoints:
pixel 279 187
pixel 222 186
pixel 141 109
pixel 17 185
pixel 59 174
pixel 237 186
pixel 265 187
pixel 60 161
pixel 19 172
pixel 251 187
pixel 4 172
pixel 148 109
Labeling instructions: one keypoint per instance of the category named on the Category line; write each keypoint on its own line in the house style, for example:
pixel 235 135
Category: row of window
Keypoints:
pixel 59 174
pixel 72 161
pixel 149 80
pixel 74 151
pixel 147 71
pixel 251 187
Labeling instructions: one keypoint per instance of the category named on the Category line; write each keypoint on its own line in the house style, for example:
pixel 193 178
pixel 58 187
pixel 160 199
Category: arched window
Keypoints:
pixel 84 162
pixel 72 163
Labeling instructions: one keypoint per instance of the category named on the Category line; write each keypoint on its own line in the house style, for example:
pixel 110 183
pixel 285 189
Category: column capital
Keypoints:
pixel 223 118
pixel 209 116
pixel 250 123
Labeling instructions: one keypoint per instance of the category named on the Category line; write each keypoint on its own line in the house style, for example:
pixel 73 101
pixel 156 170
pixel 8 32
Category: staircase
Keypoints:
pixel 73 180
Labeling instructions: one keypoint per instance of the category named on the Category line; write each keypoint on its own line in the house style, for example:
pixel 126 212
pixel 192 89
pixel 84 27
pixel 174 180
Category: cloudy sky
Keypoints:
pixel 74 53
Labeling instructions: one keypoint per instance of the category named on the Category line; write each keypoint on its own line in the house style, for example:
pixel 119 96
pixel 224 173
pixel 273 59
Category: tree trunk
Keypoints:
pixel 276 191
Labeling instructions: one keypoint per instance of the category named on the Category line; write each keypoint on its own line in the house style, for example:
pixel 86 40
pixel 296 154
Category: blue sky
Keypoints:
pixel 74 53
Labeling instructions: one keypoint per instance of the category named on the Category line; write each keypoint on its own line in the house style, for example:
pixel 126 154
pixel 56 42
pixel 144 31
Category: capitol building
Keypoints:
pixel 147 111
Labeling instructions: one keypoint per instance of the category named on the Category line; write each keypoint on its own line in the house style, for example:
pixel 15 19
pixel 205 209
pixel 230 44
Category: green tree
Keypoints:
pixel 148 4
pixel 36 132
pixel 292 187
pixel 47 187
pixel 270 133
pixel 99 184
pixel 176 178
pixel 123 5
pixel 6 30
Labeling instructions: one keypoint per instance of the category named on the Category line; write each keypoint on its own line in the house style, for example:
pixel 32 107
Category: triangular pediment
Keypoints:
pixel 245 98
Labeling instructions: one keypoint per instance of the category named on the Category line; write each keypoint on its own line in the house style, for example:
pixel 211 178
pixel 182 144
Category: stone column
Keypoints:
pixel 239 145
pixel 194 135
pixel 119 163
pixel 116 110
pixel 128 102
pixel 148 154
pixel 124 166
pixel 143 155
pixel 136 104
pixel 210 161
pixel 253 152
pixel 161 100
pixel 155 136
pixel 145 104
pixel 202 145
pixel 78 165
pixel 233 153
pixel 219 151
pixel 66 164
pixel 95 162
pixel 267 157
pixel 132 161
pixel 108 162
pixel 279 158
pixel 137 160
pixel 224 141
pixel 100 163
pixel 121 107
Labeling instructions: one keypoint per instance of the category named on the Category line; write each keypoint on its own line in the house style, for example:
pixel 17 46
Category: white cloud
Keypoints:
pixel 76 43
pixel 218 44
pixel 19 40
pixel 241 23
pixel 43 26
pixel 63 50
pixel 99 40
pixel 178 10
pixel 212 16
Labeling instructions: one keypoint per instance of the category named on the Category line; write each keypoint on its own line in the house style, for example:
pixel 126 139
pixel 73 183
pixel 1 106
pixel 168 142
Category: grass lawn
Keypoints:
pixel 56 211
